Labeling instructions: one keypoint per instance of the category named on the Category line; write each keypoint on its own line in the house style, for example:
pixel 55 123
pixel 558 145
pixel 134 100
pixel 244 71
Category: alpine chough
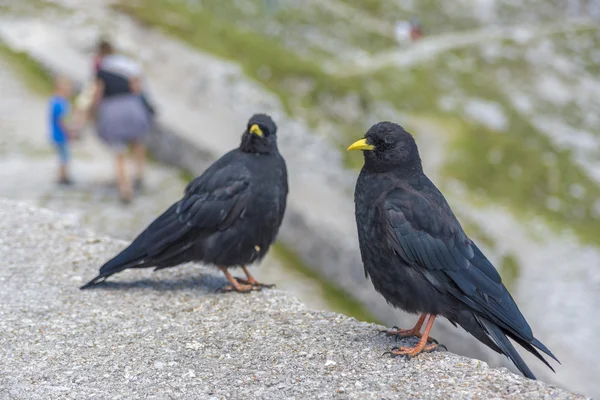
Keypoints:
pixel 228 217
pixel 419 258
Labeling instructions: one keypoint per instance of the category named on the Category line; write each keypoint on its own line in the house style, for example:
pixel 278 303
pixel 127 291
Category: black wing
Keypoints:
pixel 212 202
pixel 424 232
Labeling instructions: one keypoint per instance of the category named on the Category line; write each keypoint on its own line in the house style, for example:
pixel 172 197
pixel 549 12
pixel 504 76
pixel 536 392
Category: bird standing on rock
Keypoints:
pixel 228 217
pixel 419 258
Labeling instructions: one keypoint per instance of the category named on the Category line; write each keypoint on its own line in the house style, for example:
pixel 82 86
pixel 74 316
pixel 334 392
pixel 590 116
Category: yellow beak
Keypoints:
pixel 254 129
pixel 361 145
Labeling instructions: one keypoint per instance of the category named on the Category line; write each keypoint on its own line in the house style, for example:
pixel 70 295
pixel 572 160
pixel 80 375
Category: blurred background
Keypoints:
pixel 503 97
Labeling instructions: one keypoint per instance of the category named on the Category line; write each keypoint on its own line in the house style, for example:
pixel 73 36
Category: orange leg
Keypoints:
pixel 421 345
pixel 235 285
pixel 415 331
pixel 251 281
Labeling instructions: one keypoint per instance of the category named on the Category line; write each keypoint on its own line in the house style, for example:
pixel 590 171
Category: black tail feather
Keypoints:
pixel 507 347
pixel 528 346
pixel 544 349
pixel 131 257
pixel 93 282
pixel 112 267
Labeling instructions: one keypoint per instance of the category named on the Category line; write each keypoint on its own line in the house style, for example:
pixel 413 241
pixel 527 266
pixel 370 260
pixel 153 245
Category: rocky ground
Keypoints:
pixel 172 337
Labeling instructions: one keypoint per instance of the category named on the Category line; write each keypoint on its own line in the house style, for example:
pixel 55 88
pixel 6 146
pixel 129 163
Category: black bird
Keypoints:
pixel 419 258
pixel 228 217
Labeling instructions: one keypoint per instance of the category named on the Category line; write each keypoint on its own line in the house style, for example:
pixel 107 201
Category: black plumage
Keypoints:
pixel 419 258
pixel 228 217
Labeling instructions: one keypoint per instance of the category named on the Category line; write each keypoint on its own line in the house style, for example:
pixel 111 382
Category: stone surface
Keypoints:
pixel 169 335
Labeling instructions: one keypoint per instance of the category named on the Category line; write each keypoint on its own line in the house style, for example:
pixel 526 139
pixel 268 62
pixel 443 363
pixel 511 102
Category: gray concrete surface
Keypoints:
pixel 168 335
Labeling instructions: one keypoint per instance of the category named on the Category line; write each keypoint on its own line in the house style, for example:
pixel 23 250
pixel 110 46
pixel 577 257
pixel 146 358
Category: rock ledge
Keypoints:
pixel 168 335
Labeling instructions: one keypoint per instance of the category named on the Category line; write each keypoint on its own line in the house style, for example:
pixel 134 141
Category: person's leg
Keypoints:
pixel 63 152
pixel 125 188
pixel 139 151
pixel 62 172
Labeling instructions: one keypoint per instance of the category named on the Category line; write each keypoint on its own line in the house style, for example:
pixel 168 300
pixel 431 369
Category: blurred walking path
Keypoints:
pixel 431 46
pixel 28 164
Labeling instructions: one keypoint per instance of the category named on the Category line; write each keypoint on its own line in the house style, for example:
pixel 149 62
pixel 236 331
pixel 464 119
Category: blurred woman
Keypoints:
pixel 121 117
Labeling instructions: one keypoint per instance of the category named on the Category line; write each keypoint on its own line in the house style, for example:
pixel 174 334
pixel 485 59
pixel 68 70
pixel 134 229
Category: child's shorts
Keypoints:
pixel 63 152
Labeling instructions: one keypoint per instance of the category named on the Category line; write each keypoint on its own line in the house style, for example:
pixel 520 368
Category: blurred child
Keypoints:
pixel 60 132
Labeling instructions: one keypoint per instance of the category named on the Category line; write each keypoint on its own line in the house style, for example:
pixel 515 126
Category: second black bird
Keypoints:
pixel 420 259
pixel 228 217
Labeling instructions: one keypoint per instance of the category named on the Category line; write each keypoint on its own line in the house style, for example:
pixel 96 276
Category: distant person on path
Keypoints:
pixel 102 47
pixel 60 132
pixel 416 29
pixel 402 32
pixel 121 116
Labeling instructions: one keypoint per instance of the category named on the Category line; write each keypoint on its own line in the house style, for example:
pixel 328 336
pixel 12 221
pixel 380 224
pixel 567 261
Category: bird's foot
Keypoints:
pixel 253 282
pixel 400 333
pixel 239 287
pixel 395 331
pixel 412 351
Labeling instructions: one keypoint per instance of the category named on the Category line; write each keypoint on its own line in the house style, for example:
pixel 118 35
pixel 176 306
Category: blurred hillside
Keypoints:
pixel 502 96
pixel 518 106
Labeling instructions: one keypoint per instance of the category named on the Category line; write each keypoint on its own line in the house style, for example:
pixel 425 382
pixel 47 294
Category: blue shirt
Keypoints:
pixel 59 108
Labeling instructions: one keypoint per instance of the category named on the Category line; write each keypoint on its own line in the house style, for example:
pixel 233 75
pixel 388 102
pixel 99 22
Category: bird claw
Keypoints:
pixel 254 283
pixel 389 332
pixel 399 336
pixel 429 339
pixel 392 354
pixel 265 285
pixel 411 352
pixel 239 289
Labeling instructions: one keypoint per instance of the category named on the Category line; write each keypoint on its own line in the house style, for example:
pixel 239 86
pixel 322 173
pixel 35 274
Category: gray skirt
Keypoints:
pixel 121 120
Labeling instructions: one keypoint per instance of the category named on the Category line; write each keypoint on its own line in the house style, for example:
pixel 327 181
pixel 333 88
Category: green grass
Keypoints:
pixel 531 169
pixel 265 59
pixel 431 12
pixel 186 176
pixel 337 299
pixel 29 70
pixel 438 17
pixel 523 178
pixel 510 270
pixel 27 7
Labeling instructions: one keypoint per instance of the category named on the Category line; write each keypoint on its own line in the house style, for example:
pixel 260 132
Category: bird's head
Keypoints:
pixel 260 135
pixel 387 146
